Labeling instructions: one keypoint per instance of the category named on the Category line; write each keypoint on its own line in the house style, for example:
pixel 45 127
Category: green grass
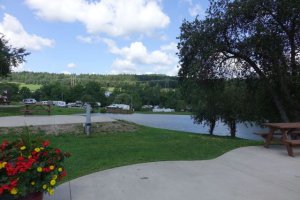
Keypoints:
pixel 32 87
pixel 15 111
pixel 104 151
pixel 164 113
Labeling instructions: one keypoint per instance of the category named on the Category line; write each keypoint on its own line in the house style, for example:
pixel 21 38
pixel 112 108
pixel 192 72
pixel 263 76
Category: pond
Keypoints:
pixel 185 123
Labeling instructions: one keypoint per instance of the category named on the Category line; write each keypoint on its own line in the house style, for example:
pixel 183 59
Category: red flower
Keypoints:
pixel 57 151
pixel 1 190
pixel 63 174
pixel 46 169
pixel 46 143
pixel 20 158
pixel 4 144
pixel 13 183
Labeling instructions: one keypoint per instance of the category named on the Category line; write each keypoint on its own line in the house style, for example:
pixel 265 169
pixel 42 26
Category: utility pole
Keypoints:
pixel 88 120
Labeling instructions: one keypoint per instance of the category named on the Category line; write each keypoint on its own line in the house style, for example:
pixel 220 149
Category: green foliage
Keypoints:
pixel 12 90
pixel 247 39
pixel 25 92
pixel 123 99
pixel 106 81
pixel 9 56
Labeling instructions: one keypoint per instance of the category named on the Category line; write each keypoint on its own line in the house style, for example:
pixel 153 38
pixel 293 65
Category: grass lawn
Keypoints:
pixel 32 87
pixel 104 151
pixel 14 111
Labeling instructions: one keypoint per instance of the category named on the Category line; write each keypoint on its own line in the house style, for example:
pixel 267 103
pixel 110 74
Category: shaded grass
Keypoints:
pixel 15 111
pixel 104 151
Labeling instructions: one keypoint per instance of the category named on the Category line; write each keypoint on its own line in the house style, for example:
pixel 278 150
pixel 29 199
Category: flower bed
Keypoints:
pixel 29 166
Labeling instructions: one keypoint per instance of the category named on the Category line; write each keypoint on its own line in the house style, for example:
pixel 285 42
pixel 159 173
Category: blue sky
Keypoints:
pixel 93 36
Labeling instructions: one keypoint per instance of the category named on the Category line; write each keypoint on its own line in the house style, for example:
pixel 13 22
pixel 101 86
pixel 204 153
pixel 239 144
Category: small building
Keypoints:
pixel 118 108
pixel 60 103
pixel 107 93
pixel 29 101
pixel 163 110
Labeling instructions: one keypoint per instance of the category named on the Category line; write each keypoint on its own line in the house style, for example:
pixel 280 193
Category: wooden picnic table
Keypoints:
pixel 30 108
pixel 285 129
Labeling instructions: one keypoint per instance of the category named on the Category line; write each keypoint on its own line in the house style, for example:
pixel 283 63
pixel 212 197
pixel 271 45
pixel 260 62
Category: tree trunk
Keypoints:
pixel 278 104
pixel 212 125
pixel 232 127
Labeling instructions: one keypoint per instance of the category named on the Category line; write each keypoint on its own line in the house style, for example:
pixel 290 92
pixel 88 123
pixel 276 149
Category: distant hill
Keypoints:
pixel 42 78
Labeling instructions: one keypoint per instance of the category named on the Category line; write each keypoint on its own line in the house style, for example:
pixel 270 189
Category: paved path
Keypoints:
pixel 242 174
pixel 48 120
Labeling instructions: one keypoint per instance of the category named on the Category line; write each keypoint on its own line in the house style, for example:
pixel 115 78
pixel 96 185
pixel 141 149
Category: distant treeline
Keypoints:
pixel 43 78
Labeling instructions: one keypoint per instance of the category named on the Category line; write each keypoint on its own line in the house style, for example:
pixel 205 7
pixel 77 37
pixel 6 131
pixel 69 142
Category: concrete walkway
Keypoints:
pixel 243 174
pixel 48 120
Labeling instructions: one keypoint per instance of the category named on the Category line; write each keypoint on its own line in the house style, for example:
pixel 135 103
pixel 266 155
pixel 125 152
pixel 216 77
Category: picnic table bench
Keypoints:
pixel 4 102
pixel 30 108
pixel 285 130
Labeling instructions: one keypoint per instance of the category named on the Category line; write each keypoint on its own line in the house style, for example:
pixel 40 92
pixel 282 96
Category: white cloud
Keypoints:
pixel 71 65
pixel 19 68
pixel 136 58
pixel 85 39
pixel 172 47
pixel 123 66
pixel 113 17
pixel 18 37
pixel 195 10
pixel 90 39
pixel 66 72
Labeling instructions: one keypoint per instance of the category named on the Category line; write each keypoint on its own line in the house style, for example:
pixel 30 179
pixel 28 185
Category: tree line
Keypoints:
pixel 134 94
pixel 43 78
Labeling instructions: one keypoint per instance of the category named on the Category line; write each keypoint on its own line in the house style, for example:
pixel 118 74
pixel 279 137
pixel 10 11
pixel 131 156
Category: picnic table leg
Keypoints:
pixel 288 146
pixel 269 138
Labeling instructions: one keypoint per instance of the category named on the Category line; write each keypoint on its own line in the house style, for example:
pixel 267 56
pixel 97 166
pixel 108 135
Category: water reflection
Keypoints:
pixel 185 123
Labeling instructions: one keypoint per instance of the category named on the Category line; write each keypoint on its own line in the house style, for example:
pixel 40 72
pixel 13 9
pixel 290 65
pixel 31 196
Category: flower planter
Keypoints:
pixel 33 196
pixel 33 162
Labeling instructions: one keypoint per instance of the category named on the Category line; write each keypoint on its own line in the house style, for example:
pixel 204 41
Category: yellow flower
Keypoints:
pixel 51 167
pixel 52 182
pixel 39 169
pixel 14 191
pixel 37 150
pixel 54 177
pixel 42 148
pixel 60 169
pixel 23 148
pixel 50 191
pixel 32 183
pixel 45 187
pixel 2 165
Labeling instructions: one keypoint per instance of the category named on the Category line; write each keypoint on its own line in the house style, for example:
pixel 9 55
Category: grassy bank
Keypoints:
pixel 107 150
pixel 15 111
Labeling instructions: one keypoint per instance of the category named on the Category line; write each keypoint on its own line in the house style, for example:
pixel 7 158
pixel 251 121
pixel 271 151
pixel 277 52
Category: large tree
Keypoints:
pixel 10 56
pixel 248 39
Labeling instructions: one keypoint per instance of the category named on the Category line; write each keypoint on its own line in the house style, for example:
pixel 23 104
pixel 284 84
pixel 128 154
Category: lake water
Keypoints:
pixel 185 123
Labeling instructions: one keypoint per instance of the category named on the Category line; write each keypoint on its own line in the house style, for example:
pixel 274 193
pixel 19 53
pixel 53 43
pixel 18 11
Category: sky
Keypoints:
pixel 98 36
